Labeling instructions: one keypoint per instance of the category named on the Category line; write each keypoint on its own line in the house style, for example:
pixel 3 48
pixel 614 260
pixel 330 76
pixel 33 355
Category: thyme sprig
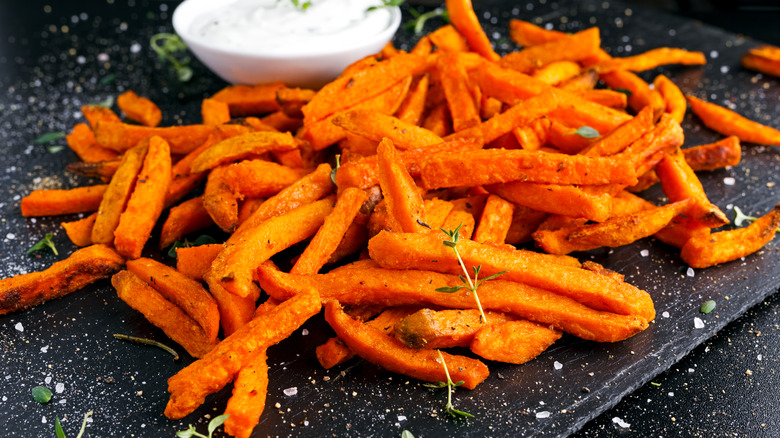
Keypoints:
pixel 167 45
pixel 213 425
pixel 416 24
pixel 449 384
pixel 145 341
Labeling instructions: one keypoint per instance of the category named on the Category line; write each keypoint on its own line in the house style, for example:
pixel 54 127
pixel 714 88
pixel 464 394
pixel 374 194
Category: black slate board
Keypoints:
pixel 69 341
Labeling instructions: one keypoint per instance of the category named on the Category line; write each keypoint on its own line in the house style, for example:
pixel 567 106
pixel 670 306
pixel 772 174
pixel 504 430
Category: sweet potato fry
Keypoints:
pixel 82 141
pixel 328 237
pixel 724 246
pixel 292 100
pixel 234 311
pixel 190 386
pixel 465 20
pixel 680 230
pixel 183 219
pixel 139 109
pixel 247 207
pixel 726 152
pixel 121 136
pixel 524 222
pixel 411 287
pixel 59 202
pixel 448 39
pixel 194 261
pixel 118 193
pixel 214 112
pixel 652 59
pixel 585 81
pixel 674 98
pixel 557 72
pixel 765 59
pixel 528 34
pixel 576 47
pixel 182 291
pixel 729 123
pixel 413 106
pixel 247 402
pixel 97 113
pixel 641 93
pixel 162 313
pixel 608 98
pixel 491 166
pixel 100 169
pixel 459 218
pixel 622 136
pixel 404 203
pixel 146 202
pixel 565 139
pixel 455 83
pixel 436 212
pixel 495 221
pixel 438 120
pixel 80 232
pixel 260 178
pixel 220 201
pixel 513 341
pixel 432 329
pixel 234 266
pixel 375 126
pixel 247 100
pixel 83 267
pixel 380 349
pixel 534 135
pixel 425 251
pixel 648 150
pixel 243 146
pixel 617 231
pixel 680 183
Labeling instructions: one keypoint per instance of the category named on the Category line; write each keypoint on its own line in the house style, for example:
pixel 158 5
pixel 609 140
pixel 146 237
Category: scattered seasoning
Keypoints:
pixel 707 307
pixel 729 181
pixel 644 253
pixel 19 327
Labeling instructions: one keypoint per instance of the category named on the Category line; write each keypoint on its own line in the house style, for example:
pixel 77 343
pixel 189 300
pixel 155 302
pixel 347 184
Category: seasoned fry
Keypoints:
pixel 59 202
pixel 247 402
pixel 674 98
pixel 234 311
pixel 237 148
pixel 729 123
pixel 652 59
pixel 195 261
pixel 726 152
pixel 465 20
pixel 404 204
pixel 100 169
pixel 80 232
pixel 121 136
pixel 82 141
pixel 724 246
pixel 495 221
pixel 97 113
pixel 183 219
pixel 83 267
pixel 220 201
pixel 431 329
pixel 455 83
pixel 622 136
pixel 214 112
pixel 412 108
pixel 146 202
pixel 582 45
pixel 765 59
pixel 376 126
pixel 247 100
pixel 557 72
pixel 380 349
pixel 139 109
pixel 641 93
pixel 513 341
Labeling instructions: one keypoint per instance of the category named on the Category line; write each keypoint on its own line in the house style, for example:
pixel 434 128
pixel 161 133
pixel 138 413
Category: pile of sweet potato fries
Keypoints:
pixel 503 149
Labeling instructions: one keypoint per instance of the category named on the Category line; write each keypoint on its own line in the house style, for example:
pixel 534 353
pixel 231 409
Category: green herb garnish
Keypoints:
pixel 585 132
pixel 625 91
pixel 44 243
pixel 213 425
pixel 450 408
pixel 655 383
pixel 108 102
pixel 301 5
pixel 201 240
pixel 54 149
pixel 41 394
pixel 740 218
pixel 145 341
pixel 49 137
pixel 416 24
pixel 61 433
pixel 406 434
pixel 109 79
pixel 167 45
pixel 707 307
pixel 386 4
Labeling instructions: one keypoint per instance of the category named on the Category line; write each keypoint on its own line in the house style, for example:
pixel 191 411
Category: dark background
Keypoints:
pixel 725 387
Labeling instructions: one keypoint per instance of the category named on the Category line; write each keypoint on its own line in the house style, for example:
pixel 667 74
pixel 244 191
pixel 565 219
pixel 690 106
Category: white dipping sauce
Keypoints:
pixel 279 27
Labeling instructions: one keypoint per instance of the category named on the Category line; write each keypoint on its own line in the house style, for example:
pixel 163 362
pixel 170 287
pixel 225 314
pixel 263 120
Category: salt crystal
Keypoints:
pixel 724 69
pixel 59 388
pixel 619 421
pixel 691 370
pixel 665 314
pixel 690 272
pixel 62 401
pixel 289 392
pixel 304 332
pixel 5 398
pixel 543 414
pixel 402 418
pixel 557 365
pixel 698 323
pixel 47 380
pixel 43 419
pixel 135 48
pixel 714 54
pixel 10 236
pixel 44 349
pixel 671 394
pixel 19 327
pixel 644 253
pixel 729 181
pixel 760 357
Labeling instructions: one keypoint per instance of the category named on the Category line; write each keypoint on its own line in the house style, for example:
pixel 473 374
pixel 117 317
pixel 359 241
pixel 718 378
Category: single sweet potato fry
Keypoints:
pixel 376 126
pixel 622 136
pixel 183 219
pixel 524 222
pixel 195 261
pixel 328 237
pixel 99 169
pixel 234 266
pixel 260 178
pixel 465 20
pixel 724 246
pixel 247 402
pixel 431 329
pixel 426 251
pixel 214 112
pixel 726 152
pixel 376 347
pixel 59 202
pixel 162 313
pixel 220 201
pixel 557 72
pixel 82 141
pixel 404 203
pixel 641 93
pixel 495 221
pixel 679 182
pixel 513 341
pixel 652 59
pixel 248 100
pixel 455 83
pixel 190 386
pixel 608 98
pixel 413 106
pixel 564 138
pixel 438 120
pixel 181 290
pixel 576 47
pixel 533 136
pixel 729 123
pixel 415 288
pixel 80 232
pixel 183 180
pixel 146 202
pixel 139 109
pixel 97 113
pixel 765 59
pixel 527 34
pixel 83 267
pixel 118 193
pixel 674 98
pixel 252 144
pixel 234 311
pixel 122 136
pixel 458 218
pixel 247 207
pixel 680 230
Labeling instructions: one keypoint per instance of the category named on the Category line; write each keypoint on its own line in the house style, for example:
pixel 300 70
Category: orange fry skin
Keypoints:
pixel 765 59
pixel 674 98
pixel 579 46
pixel 243 146
pixel 641 93
pixel 376 347
pixel 726 152
pixel 375 126
pixel 122 136
pixel 566 200
pixel 247 402
pixel 712 249
pixel 83 267
pixel 513 341
pixel 248 100
pixel 727 122
pixel 465 20
pixel 59 202
pixel 495 221
pixel 404 203
pixel 139 109
pixel 214 112
pixel 183 219
pixel 195 261
pixel 652 59
pixel 82 141
pixel 99 169
pixel 80 231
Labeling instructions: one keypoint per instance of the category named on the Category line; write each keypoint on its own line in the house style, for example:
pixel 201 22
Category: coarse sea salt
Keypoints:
pixel 289 392
pixel 619 421
pixel 729 181
pixel 557 365
pixel 644 253
pixel 665 314
pixel 690 272
pixel 698 323
pixel 543 414
pixel 19 327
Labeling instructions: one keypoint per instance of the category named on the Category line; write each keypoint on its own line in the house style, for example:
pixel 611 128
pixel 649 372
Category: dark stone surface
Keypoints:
pixel 52 62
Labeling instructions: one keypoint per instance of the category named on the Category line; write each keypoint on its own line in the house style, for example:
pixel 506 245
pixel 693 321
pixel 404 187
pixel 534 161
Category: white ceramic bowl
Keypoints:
pixel 238 66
